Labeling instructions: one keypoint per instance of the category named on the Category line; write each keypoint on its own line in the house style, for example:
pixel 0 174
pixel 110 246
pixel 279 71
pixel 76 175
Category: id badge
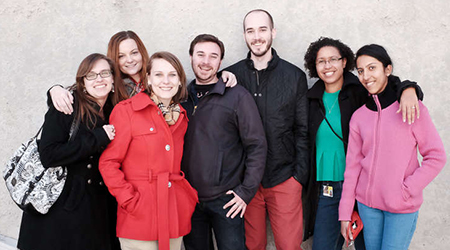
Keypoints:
pixel 327 191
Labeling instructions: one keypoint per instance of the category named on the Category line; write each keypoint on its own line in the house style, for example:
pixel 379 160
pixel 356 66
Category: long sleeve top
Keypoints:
pixel 383 170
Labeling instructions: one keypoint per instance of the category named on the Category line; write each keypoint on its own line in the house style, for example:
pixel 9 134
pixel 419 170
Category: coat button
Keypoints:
pixel 89 166
pixel 89 181
pixel 256 94
pixel 260 95
pixel 91 157
pixel 151 129
pixel 167 147
pixel 100 183
pixel 170 184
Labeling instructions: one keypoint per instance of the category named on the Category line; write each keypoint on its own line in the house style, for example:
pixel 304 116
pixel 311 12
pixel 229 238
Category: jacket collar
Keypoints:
pixel 219 88
pixel 270 66
pixel 387 97
pixel 142 100
pixel 316 91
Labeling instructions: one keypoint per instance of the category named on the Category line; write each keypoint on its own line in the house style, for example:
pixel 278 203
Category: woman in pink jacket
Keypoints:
pixel 383 172
pixel 142 166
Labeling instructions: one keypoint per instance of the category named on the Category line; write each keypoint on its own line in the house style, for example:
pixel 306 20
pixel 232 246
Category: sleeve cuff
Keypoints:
pixel 101 137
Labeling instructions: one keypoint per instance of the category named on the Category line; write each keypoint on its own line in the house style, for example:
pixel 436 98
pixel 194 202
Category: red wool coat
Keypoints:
pixel 141 168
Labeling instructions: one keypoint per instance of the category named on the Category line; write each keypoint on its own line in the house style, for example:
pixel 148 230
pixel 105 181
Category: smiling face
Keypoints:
pixel 100 87
pixel 258 33
pixel 164 80
pixel 372 74
pixel 330 66
pixel 205 62
pixel 130 59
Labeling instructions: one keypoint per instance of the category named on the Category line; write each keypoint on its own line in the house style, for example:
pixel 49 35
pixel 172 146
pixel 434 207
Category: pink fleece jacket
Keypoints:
pixel 382 168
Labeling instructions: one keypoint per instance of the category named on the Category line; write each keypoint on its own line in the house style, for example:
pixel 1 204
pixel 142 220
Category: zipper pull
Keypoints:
pixel 195 108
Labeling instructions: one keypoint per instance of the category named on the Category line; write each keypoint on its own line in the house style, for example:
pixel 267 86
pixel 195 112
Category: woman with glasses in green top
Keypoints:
pixel 333 99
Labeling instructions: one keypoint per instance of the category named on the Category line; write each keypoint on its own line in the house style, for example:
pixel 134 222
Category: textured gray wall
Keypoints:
pixel 43 42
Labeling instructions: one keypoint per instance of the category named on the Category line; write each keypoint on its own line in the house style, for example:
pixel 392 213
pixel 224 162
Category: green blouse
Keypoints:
pixel 330 153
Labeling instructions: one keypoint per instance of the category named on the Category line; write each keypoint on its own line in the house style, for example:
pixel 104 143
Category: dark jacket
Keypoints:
pixel 225 147
pixel 280 94
pixel 81 217
pixel 352 96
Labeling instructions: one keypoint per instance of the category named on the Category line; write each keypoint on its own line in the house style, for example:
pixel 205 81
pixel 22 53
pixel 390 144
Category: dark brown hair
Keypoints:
pixel 203 38
pixel 173 60
pixel 86 105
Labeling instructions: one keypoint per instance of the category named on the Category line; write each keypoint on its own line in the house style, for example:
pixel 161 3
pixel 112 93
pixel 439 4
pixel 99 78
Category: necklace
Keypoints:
pixel 332 106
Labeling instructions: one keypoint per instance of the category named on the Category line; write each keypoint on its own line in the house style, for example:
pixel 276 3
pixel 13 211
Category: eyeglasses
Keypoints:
pixel 103 74
pixel 332 61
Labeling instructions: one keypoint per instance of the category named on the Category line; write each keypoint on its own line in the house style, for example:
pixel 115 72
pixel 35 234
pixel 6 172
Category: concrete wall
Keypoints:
pixel 42 43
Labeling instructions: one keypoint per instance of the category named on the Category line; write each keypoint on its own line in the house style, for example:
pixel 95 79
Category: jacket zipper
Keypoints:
pixel 257 77
pixel 196 106
pixel 375 149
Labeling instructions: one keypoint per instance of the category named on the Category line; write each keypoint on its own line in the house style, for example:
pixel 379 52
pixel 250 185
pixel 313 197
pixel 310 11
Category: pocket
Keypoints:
pixel 76 193
pixel 143 128
pixel 133 204
pixel 405 193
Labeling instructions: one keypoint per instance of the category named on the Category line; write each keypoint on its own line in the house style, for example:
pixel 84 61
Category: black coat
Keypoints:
pixel 81 217
pixel 280 94
pixel 225 146
pixel 352 96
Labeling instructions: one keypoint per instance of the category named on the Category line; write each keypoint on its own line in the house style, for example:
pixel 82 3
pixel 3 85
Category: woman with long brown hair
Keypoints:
pixel 80 217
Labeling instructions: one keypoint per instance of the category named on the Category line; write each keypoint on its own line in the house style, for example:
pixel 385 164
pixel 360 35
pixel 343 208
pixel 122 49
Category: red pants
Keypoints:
pixel 284 206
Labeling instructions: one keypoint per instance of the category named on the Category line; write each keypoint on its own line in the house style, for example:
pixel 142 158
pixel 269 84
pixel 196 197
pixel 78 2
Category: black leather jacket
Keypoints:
pixel 225 146
pixel 280 94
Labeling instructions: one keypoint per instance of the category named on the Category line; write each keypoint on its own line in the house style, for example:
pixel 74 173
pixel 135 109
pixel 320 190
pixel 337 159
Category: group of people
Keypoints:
pixel 157 162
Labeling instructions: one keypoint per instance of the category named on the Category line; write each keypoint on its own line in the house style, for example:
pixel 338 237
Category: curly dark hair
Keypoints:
pixel 314 47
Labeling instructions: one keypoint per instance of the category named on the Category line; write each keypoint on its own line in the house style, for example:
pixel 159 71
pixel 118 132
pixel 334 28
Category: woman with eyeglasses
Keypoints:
pixel 141 167
pixel 130 56
pixel 332 101
pixel 383 172
pixel 80 217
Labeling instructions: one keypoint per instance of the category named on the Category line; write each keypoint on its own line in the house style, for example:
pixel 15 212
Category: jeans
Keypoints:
pixel 387 231
pixel 229 233
pixel 327 227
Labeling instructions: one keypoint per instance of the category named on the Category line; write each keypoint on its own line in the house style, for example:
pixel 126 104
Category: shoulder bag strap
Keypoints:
pixel 74 127
pixel 325 117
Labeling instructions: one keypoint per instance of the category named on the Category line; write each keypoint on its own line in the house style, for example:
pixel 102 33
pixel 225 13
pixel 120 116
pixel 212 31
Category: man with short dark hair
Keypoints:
pixel 224 153
pixel 279 89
